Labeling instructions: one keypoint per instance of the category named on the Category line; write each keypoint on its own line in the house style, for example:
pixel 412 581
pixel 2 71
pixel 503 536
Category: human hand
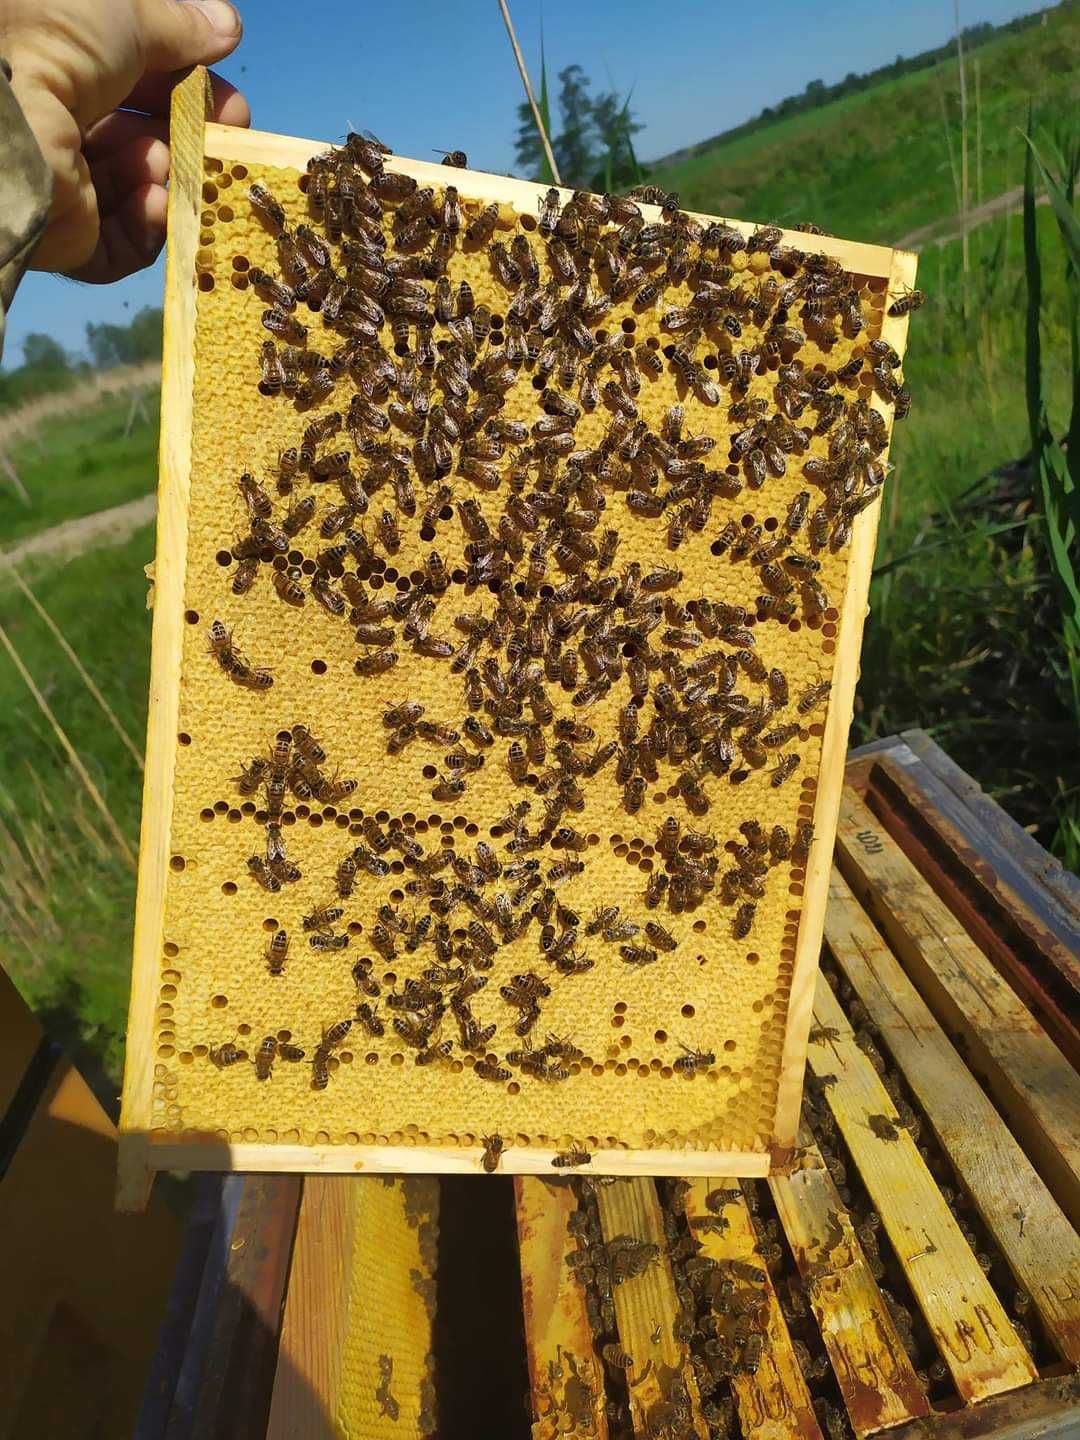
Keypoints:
pixel 74 64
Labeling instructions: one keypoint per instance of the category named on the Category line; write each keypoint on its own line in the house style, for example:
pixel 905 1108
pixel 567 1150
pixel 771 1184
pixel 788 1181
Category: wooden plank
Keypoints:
pixel 645 1305
pixel 853 611
pixel 165 1153
pixel 1040 1246
pixel 774 1402
pixel 1037 1088
pixel 972 1331
pixel 873 747
pixel 191 103
pixel 918 810
pixel 876 1378
pixel 76 1274
pixel 234 1400
pixel 1046 1411
pixel 306 1381
pixel 565 1376
pixel 1060 887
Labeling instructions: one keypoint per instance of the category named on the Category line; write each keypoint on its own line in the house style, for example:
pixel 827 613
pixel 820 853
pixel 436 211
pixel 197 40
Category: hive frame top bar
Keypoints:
pixel 226 142
pixel 143 1152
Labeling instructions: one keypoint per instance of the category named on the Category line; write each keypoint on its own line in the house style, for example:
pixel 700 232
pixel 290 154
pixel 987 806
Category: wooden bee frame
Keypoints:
pixel 147 1144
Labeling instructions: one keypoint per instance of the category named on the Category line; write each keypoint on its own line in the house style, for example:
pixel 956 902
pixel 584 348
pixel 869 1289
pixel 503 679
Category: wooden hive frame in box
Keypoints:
pixel 752 1125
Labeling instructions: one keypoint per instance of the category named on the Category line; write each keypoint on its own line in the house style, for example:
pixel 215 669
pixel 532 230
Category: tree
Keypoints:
pixel 125 344
pixel 42 352
pixel 575 150
pixel 595 143
pixel 146 330
pixel 529 156
pixel 616 127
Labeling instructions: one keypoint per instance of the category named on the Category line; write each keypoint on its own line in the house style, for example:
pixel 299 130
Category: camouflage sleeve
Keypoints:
pixel 25 193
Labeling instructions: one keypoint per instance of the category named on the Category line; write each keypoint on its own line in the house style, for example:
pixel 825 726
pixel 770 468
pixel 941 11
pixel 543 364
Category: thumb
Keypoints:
pixel 178 33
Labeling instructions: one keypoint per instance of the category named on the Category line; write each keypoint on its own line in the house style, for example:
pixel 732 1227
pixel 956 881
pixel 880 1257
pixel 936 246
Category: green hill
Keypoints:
pixel 879 163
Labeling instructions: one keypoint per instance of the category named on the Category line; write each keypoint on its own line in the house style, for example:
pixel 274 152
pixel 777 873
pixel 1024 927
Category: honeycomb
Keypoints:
pixel 681 1051
pixel 387 1383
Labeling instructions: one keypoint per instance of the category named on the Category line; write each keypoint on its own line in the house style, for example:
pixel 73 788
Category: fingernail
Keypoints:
pixel 222 16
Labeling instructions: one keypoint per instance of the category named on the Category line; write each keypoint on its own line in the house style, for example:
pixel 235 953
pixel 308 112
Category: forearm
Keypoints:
pixel 25 194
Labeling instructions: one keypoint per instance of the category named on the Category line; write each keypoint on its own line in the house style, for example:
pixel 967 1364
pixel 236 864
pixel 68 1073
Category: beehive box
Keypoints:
pixel 579 551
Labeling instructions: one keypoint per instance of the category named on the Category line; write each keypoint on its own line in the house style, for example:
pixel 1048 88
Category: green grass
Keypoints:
pixel 78 464
pixel 961 638
pixel 875 165
pixel 66 896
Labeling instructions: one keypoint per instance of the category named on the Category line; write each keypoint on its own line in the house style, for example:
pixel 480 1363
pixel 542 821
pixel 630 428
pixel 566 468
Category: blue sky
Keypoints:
pixel 425 73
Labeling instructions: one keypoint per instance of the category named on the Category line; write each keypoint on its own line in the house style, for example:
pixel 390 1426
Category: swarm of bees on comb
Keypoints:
pixel 465 473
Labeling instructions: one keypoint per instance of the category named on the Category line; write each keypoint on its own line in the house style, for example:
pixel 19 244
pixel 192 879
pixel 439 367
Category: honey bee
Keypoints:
pixel 244 575
pixel 784 770
pixel 800 850
pixel 479 231
pixel 638 954
pixel 267 207
pixel 744 920
pixel 272 380
pixel 405 713
pixel 277 951
pixel 320 1070
pixel 223 1056
pixel 377 663
pixel 391 186
pixel 262 872
pixel 633 795
pixel 272 1049
pixel 284 325
pixel 326 595
pixel 661 938
pixel 813 696
pixel 388 1406
pixel 493 1148
pixel 431 1054
pixel 322 918
pixel 370 1020
pixel 571 1159
pixel 222 647
pixel 727 537
pixel 692 1061
pixel 287 587
pixel 486 1070
pixel 345 877
pixel 907 303
pixel 548 207
pixel 330 942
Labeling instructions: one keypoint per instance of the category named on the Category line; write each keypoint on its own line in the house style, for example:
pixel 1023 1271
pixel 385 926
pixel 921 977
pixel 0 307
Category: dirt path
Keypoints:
pixel 938 232
pixel 88 532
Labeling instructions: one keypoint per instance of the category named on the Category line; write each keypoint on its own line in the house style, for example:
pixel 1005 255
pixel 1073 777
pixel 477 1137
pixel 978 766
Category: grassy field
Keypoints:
pixel 878 164
pixel 66 893
pixel 80 463
pixel 957 640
